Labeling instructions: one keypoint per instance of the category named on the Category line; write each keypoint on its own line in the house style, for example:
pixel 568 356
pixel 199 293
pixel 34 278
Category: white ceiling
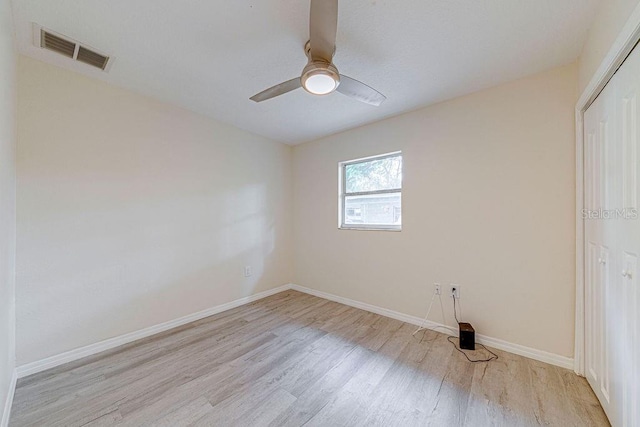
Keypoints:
pixel 210 56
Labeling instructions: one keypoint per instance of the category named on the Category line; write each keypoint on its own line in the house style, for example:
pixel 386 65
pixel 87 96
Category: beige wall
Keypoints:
pixel 609 20
pixel 132 212
pixel 488 191
pixel 7 201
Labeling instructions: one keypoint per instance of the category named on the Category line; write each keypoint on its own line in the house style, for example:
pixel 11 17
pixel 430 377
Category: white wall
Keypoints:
pixel 7 201
pixel 609 20
pixel 488 191
pixel 132 212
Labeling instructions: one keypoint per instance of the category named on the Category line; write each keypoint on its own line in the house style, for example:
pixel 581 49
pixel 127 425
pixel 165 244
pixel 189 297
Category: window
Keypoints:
pixel 371 193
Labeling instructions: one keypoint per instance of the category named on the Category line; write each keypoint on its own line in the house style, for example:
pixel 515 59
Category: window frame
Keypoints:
pixel 342 194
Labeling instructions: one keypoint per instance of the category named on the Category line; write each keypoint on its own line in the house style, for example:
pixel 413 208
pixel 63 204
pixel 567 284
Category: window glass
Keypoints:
pixel 371 195
pixel 381 174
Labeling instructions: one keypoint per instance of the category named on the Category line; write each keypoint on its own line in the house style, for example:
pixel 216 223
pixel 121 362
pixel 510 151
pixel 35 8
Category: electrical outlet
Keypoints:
pixel 454 291
pixel 247 271
pixel 436 287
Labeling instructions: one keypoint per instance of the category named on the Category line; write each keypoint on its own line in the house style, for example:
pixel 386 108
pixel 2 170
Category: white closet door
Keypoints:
pixel 628 120
pixel 600 133
pixel 612 245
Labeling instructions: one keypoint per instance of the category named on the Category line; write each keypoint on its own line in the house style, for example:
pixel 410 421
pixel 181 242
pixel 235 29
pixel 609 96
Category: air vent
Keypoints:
pixel 71 49
pixel 57 44
pixel 92 58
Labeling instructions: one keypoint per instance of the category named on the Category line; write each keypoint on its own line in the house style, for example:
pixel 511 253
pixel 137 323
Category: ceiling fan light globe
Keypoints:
pixel 319 78
pixel 320 84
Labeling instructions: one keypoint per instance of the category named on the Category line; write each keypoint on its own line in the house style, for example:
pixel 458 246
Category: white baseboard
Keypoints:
pixel 76 354
pixel 531 353
pixel 91 349
pixel 6 412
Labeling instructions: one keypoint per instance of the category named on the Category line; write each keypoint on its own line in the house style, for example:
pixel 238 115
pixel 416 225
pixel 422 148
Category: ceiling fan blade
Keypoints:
pixel 277 90
pixel 323 26
pixel 360 91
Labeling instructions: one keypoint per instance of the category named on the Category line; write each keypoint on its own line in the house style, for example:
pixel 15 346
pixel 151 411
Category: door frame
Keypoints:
pixel 622 46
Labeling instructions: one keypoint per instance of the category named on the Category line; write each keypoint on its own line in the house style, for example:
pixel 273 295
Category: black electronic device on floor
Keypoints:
pixel 467 336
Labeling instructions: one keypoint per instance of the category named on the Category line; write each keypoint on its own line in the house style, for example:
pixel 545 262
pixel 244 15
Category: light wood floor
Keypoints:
pixel 294 359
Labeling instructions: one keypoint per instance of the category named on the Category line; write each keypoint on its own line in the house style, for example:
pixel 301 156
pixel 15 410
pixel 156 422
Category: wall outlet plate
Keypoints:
pixel 454 290
pixel 437 289
pixel 247 271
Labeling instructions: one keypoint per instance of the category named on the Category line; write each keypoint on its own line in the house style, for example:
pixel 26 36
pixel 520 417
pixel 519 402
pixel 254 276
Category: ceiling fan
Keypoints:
pixel 320 76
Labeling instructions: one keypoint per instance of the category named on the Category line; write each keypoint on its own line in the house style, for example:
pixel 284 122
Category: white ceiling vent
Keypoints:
pixel 72 49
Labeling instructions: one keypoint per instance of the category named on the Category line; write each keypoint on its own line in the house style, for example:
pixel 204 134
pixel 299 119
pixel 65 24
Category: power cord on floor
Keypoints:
pixel 493 355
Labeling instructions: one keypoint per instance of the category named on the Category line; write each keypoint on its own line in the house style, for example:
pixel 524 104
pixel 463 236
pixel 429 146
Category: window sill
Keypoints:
pixel 369 228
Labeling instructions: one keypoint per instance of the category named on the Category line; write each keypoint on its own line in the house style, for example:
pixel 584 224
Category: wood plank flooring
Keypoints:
pixel 293 359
